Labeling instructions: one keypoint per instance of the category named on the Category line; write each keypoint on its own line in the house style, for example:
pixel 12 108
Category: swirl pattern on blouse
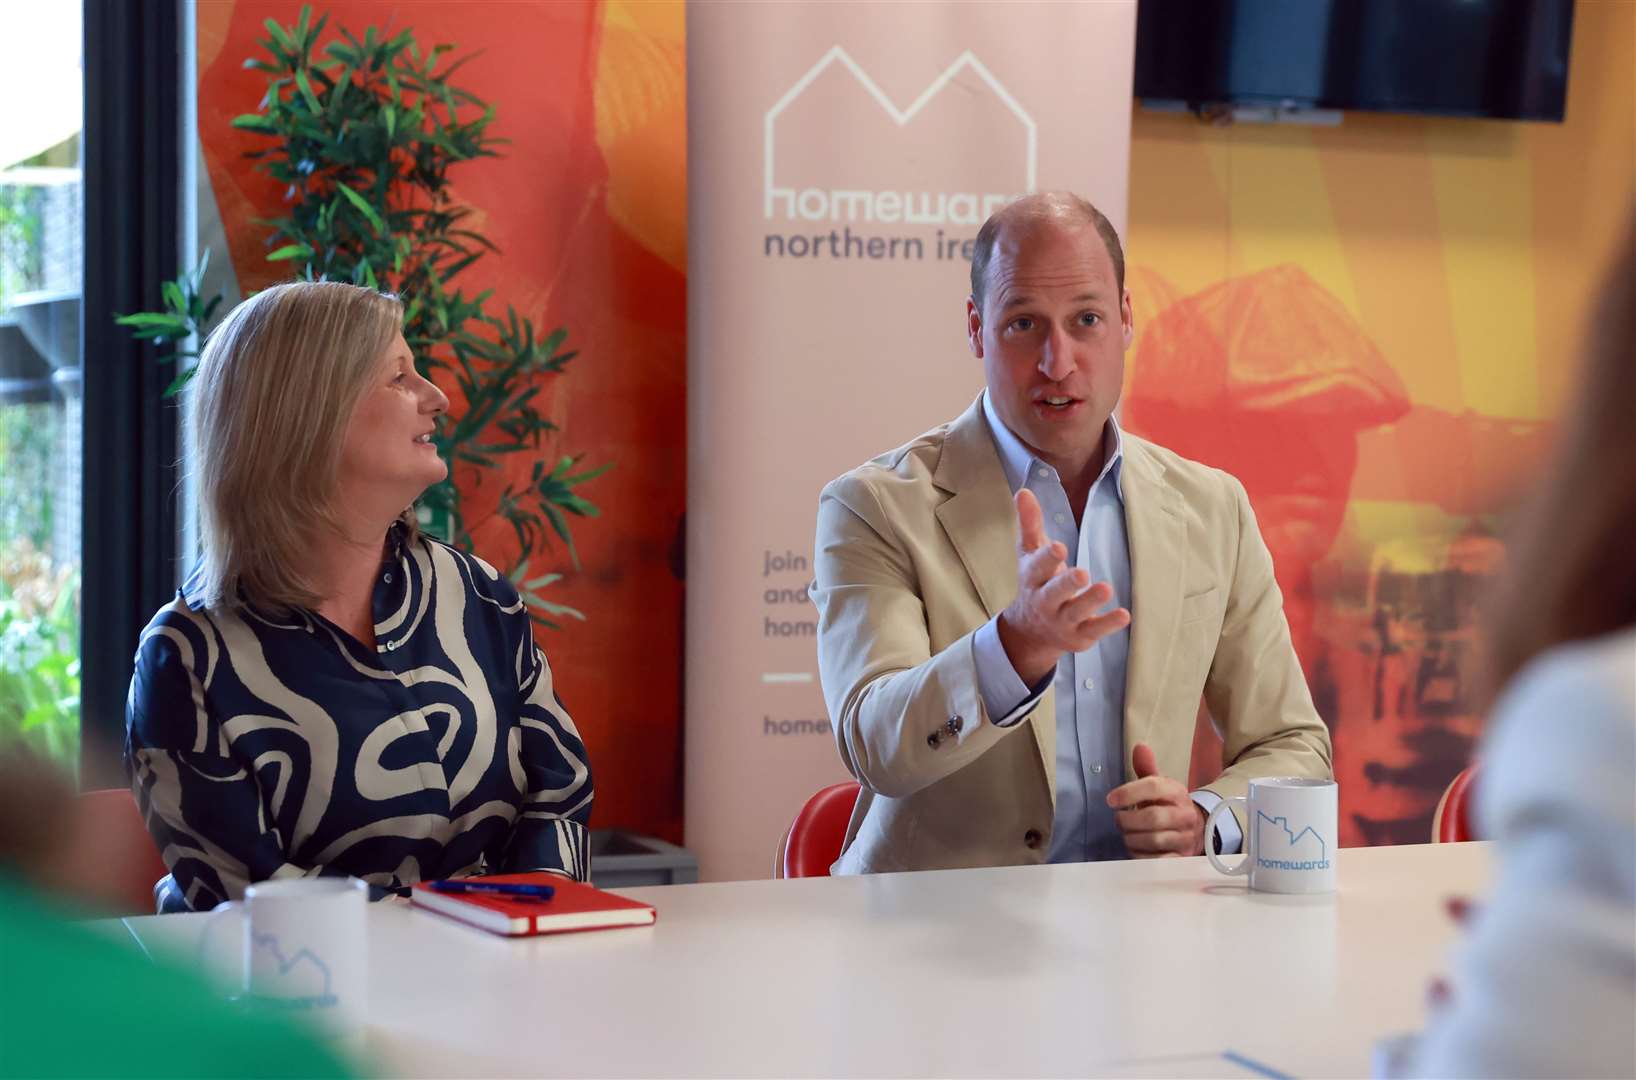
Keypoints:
pixel 265 747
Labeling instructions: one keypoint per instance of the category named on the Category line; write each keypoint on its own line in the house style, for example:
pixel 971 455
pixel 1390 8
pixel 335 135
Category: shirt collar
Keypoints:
pixel 1018 461
pixel 192 590
pixel 192 593
pixel 397 538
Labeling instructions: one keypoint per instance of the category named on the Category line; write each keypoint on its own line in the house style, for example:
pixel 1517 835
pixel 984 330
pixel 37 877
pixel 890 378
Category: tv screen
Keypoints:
pixel 1505 59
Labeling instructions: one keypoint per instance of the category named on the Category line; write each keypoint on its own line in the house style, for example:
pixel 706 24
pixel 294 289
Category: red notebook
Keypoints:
pixel 574 907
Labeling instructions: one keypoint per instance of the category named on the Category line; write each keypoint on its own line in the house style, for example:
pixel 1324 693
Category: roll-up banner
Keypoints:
pixel 841 158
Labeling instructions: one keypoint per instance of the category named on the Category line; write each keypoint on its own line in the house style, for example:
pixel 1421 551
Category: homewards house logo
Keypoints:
pixel 1277 847
pixel 841 158
pixel 301 981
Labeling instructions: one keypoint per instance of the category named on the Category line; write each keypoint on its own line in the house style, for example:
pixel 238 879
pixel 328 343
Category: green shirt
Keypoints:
pixel 73 1003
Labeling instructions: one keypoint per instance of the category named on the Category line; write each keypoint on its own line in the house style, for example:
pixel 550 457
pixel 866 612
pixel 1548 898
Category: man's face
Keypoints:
pixel 1052 335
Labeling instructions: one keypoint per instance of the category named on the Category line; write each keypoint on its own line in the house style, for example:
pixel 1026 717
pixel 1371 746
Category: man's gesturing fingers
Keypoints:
pixel 1040 565
pixel 1148 789
pixel 1054 610
pixel 1030 521
pixel 1065 587
pixel 1091 631
pixel 1083 608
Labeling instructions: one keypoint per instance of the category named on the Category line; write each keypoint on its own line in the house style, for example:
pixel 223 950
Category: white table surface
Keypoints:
pixel 1036 971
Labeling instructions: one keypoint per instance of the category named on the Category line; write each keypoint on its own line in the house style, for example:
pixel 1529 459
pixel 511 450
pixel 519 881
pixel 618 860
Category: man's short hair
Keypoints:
pixel 989 235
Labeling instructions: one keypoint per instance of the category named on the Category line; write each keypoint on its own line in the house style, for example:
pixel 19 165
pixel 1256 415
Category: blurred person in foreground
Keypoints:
pixel 75 1001
pixel 1545 982
pixel 332 692
pixel 993 712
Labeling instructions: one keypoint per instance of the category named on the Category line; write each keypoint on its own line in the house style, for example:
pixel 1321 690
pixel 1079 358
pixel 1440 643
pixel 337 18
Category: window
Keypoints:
pixel 41 405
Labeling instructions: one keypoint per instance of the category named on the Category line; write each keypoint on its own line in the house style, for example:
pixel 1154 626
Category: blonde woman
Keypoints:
pixel 332 692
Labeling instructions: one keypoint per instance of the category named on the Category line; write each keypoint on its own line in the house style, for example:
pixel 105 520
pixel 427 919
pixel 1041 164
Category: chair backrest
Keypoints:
pixel 118 826
pixel 814 839
pixel 1452 822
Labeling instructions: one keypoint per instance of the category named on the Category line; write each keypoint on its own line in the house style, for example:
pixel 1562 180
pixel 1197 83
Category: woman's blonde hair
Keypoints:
pixel 276 388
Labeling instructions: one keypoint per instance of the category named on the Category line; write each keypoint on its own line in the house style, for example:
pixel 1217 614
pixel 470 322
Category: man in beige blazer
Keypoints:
pixel 987 704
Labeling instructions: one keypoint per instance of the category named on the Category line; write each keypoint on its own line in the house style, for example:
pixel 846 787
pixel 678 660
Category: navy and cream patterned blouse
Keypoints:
pixel 268 747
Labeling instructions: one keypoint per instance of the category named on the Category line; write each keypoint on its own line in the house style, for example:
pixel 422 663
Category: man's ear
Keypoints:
pixel 974 327
pixel 1127 317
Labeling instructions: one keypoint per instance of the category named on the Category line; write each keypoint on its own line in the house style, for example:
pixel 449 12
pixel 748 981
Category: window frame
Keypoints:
pixel 134 63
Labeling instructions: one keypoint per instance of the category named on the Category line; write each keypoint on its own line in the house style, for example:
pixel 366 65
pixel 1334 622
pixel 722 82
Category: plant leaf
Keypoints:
pixel 179 382
pixel 305 86
pixel 279 35
pixel 151 318
pixel 363 206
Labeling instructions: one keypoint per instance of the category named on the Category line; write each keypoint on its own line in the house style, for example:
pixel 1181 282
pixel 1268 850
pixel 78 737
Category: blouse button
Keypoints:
pixel 388 577
pixel 390 645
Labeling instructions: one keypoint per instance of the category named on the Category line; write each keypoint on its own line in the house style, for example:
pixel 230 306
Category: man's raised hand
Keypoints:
pixel 1055 610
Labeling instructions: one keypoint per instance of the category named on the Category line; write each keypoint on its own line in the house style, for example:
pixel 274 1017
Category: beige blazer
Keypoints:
pixel 918 548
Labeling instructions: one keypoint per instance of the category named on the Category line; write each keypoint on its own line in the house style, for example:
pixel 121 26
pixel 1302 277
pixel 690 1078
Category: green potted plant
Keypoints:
pixel 364 132
pixel 39 652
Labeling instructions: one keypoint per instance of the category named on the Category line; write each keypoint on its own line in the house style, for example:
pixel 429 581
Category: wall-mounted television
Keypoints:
pixel 1503 59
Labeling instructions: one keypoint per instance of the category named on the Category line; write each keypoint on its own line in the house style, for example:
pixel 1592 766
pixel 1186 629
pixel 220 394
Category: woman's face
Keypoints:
pixel 387 457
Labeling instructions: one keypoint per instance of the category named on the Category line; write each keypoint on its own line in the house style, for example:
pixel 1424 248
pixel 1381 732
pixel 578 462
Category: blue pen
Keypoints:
pixel 515 890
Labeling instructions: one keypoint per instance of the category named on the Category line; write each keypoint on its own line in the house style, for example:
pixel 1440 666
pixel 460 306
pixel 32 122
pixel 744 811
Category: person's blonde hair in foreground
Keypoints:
pixel 332 692
pixel 1545 985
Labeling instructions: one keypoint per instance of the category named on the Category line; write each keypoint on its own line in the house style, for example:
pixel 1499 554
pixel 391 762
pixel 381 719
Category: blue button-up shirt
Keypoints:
pixel 1090 685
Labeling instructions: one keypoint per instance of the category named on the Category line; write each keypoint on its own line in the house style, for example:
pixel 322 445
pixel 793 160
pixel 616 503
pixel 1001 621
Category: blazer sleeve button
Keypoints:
pixel 934 739
pixel 1031 838
pixel 956 722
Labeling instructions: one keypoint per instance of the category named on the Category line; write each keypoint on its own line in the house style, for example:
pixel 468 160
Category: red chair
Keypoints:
pixel 813 840
pixel 1452 821
pixel 124 882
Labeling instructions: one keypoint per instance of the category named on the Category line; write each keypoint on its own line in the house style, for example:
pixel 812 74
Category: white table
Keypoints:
pixel 1038 971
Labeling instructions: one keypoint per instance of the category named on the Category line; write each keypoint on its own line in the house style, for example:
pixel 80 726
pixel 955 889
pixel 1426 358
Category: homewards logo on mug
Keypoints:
pixel 1291 834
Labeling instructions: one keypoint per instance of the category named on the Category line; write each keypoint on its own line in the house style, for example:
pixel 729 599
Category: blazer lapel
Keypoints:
pixel 980 521
pixel 1158 565
pixel 978 516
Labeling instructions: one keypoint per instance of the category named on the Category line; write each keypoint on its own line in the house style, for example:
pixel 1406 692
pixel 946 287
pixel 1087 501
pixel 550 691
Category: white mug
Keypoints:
pixel 1289 834
pixel 305 949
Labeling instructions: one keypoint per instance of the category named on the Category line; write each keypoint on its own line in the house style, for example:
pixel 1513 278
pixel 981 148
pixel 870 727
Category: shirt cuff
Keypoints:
pixel 1229 837
pixel 1006 697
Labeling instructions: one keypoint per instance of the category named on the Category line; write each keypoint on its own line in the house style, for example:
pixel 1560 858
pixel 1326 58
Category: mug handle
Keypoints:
pixel 1243 865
